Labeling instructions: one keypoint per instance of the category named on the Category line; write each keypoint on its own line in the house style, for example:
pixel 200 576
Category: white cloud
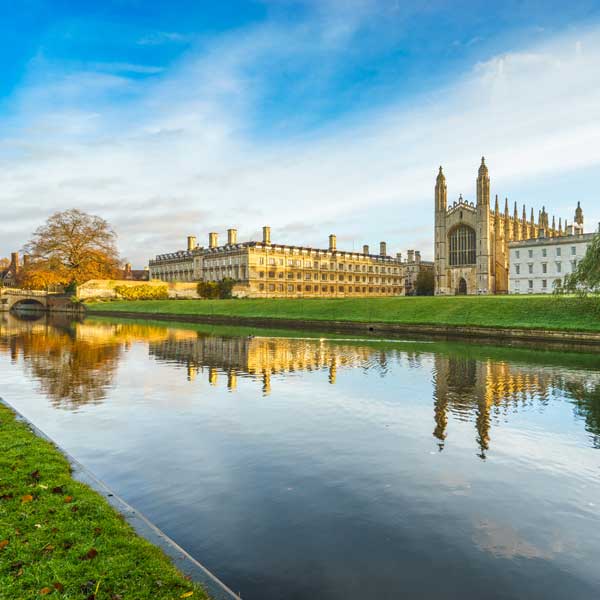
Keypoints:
pixel 177 155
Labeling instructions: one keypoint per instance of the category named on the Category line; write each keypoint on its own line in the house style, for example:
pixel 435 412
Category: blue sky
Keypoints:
pixel 177 118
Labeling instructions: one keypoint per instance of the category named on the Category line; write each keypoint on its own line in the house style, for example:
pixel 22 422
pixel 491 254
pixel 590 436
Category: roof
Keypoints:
pixel 554 241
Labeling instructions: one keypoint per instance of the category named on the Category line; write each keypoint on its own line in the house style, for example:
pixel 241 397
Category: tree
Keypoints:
pixel 216 289
pixel 424 283
pixel 75 247
pixel 4 263
pixel 586 277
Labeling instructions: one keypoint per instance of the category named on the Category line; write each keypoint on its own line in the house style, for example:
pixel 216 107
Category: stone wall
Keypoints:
pixel 105 288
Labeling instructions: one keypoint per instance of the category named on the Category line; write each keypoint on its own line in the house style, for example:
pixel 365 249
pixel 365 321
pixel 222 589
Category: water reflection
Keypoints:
pixel 302 467
pixel 75 363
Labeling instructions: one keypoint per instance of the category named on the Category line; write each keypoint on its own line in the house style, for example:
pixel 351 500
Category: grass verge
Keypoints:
pixel 60 539
pixel 526 312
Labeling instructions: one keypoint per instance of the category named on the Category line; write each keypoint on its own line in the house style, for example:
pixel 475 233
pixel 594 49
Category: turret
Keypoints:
pixel 441 192
pixel 579 216
pixel 483 184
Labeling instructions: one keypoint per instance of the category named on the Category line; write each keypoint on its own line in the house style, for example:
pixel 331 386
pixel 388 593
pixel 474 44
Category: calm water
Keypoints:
pixel 302 467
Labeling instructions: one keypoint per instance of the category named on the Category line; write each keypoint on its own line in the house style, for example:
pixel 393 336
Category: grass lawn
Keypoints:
pixel 533 312
pixel 60 539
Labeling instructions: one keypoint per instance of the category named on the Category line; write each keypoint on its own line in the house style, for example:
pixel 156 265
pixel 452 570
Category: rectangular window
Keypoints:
pixel 271 287
pixel 558 251
pixel 573 265
pixel 518 254
pixel 544 252
pixel 272 274
pixel 530 253
pixel 290 288
pixel 261 286
pixel 558 267
pixel 518 269
pixel 544 283
pixel 544 268
pixel 530 284
pixel 530 268
pixel 573 250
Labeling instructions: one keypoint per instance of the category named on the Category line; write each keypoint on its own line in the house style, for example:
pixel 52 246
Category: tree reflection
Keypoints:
pixel 75 364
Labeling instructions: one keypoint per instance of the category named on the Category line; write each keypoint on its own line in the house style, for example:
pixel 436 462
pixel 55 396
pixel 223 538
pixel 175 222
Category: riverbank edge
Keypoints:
pixel 375 327
pixel 143 527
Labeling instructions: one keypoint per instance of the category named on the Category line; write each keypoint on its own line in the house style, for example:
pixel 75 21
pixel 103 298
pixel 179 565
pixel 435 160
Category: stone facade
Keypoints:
pixel 471 251
pixel 266 269
pixel 538 265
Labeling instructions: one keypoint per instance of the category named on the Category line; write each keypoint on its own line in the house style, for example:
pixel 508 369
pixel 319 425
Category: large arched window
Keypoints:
pixel 462 246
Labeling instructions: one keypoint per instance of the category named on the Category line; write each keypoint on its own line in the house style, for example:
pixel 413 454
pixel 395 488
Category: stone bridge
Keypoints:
pixel 50 301
pixel 13 298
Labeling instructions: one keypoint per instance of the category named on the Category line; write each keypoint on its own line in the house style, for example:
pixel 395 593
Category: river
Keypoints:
pixel 299 465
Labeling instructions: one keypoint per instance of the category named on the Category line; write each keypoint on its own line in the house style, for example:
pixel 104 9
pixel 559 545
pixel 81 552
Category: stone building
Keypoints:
pixel 9 275
pixel 471 239
pixel 413 265
pixel 266 269
pixel 538 265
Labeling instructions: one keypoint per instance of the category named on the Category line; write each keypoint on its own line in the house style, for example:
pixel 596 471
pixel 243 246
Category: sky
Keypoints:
pixel 180 117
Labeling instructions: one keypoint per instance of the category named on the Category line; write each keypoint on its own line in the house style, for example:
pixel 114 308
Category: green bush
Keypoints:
pixel 216 289
pixel 142 292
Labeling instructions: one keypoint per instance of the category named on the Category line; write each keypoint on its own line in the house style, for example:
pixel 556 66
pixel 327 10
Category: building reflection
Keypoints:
pixel 76 363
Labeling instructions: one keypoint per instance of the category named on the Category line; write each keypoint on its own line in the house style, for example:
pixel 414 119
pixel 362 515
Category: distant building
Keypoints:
pixel 538 265
pixel 471 239
pixel 8 275
pixel 266 269
pixel 413 265
pixel 129 274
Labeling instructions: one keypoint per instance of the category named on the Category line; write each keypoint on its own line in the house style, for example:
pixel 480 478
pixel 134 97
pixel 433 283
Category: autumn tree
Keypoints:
pixel 4 263
pixel 71 247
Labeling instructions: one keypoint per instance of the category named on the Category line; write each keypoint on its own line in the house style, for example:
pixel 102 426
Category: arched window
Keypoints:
pixel 462 246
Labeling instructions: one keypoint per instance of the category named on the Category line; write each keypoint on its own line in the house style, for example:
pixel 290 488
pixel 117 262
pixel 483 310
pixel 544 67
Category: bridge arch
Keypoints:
pixel 28 303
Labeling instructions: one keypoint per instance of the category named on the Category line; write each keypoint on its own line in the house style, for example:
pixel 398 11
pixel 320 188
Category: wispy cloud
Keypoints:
pixel 179 154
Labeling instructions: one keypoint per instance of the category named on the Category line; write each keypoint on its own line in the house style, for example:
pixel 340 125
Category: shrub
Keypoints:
pixel 142 292
pixel 216 289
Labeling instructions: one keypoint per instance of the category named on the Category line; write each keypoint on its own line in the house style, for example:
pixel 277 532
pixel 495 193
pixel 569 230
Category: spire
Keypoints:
pixel 506 207
pixel 559 225
pixel 496 207
pixel 441 192
pixel 483 185
pixel 579 215
pixel 524 217
pixel 515 212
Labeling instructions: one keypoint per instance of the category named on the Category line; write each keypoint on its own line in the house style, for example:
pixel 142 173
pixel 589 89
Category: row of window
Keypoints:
pixel 557 252
pixel 308 264
pixel 558 267
pixel 331 289
pixel 326 277
pixel 556 282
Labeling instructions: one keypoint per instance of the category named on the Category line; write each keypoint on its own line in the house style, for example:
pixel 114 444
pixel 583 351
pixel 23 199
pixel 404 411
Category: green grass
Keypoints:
pixel 60 539
pixel 529 312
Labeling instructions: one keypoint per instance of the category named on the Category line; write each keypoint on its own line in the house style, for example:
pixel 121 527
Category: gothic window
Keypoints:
pixel 462 246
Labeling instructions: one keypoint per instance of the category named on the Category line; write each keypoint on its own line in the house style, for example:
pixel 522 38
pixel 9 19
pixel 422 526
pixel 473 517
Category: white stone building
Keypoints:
pixel 537 265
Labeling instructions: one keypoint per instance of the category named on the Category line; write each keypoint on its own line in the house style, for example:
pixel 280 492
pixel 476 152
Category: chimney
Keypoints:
pixel 418 256
pixel 213 239
pixel 399 256
pixel 128 268
pixel 266 235
pixel 382 249
pixel 232 236
pixel 191 242
pixel 541 233
pixel 411 256
pixel 26 260
pixel 332 243
pixel 570 230
pixel 366 249
pixel 14 262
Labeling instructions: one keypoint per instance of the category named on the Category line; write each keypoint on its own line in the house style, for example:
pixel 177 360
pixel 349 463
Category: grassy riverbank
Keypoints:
pixel 59 538
pixel 527 312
